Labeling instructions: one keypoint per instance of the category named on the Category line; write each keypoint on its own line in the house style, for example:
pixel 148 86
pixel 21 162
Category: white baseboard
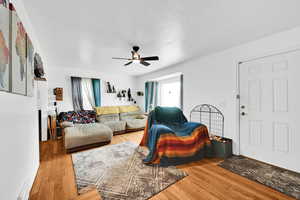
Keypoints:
pixel 27 185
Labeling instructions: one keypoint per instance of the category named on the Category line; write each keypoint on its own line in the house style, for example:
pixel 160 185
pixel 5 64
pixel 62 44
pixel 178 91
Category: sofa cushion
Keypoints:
pixel 116 125
pixel 131 108
pixel 85 134
pixel 130 115
pixel 135 123
pixel 140 117
pixel 107 110
pixel 108 117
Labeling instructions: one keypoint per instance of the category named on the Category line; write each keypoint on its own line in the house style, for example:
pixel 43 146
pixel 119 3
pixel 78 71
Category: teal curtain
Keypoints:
pixel 97 91
pixel 151 93
pixel 146 96
pixel 181 91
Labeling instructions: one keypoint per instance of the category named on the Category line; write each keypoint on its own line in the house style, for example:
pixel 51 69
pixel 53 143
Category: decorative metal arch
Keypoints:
pixel 210 116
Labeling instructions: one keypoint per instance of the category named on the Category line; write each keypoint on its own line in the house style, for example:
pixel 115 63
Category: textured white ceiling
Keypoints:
pixel 87 34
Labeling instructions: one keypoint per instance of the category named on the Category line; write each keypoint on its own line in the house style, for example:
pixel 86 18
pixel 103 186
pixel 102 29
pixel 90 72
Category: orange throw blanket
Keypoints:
pixel 172 146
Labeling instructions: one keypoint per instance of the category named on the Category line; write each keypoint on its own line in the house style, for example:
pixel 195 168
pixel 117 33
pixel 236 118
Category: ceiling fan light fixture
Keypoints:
pixel 136 58
pixel 136 61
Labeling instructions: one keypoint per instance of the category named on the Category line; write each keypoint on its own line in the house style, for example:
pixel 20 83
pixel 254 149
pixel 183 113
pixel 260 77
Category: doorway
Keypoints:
pixel 269 109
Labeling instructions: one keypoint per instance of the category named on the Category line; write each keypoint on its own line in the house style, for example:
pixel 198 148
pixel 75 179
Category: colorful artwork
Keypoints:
pixel 18 55
pixel 21 48
pixel 4 47
pixel 3 3
pixel 17 60
pixel 30 68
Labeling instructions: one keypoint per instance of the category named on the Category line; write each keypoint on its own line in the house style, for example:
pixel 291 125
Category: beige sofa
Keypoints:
pixel 86 129
pixel 121 119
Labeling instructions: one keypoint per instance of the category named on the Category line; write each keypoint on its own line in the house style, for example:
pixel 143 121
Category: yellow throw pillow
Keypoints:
pixel 124 109
pixel 107 110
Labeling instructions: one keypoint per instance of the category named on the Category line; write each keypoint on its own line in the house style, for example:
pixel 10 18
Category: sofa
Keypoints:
pixel 121 119
pixel 84 136
pixel 80 130
pixel 89 128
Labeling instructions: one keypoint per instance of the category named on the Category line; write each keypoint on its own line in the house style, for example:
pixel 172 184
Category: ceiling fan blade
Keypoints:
pixel 145 63
pixel 121 58
pixel 128 63
pixel 150 58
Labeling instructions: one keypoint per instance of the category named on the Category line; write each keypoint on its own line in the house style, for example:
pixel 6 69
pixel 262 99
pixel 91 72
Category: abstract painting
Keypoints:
pixel 3 3
pixel 4 46
pixel 30 67
pixel 18 53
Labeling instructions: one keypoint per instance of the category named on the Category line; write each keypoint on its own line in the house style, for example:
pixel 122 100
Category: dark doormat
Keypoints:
pixel 282 180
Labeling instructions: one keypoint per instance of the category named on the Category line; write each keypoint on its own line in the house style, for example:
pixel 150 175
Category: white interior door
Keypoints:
pixel 270 110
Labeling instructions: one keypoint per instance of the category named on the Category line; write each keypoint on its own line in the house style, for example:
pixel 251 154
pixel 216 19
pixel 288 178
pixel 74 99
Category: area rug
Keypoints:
pixel 284 181
pixel 117 171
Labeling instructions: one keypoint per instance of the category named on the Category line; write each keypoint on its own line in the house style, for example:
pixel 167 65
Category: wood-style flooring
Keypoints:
pixel 55 179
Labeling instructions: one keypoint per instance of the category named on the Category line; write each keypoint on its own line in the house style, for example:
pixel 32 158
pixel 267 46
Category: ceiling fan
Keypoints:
pixel 136 58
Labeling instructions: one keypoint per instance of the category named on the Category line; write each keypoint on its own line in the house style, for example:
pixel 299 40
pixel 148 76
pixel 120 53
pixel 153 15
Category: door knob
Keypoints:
pixel 243 113
pixel 242 107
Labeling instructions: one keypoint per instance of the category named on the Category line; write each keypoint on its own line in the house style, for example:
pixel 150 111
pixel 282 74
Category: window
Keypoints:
pixel 170 94
pixel 164 91
pixel 86 93
pixel 88 99
pixel 85 101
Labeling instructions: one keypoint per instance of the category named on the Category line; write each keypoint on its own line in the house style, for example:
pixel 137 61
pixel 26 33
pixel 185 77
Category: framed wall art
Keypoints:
pixel 30 68
pixel 4 47
pixel 18 54
pixel 19 63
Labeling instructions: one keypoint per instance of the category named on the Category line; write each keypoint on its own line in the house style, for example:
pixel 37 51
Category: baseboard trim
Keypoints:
pixel 31 182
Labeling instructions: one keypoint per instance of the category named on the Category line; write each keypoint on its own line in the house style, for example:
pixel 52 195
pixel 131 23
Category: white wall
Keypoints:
pixel 61 77
pixel 19 146
pixel 213 79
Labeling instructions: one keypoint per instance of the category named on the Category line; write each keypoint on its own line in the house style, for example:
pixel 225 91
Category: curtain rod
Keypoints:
pixel 84 77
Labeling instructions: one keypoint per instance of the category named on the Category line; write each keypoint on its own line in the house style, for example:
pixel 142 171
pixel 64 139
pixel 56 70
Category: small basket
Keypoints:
pixel 221 147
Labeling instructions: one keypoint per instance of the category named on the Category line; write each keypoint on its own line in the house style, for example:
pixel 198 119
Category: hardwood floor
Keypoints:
pixel 89 195
pixel 55 179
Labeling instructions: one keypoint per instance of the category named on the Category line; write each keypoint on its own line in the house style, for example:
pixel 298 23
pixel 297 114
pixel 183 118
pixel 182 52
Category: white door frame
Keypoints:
pixel 238 105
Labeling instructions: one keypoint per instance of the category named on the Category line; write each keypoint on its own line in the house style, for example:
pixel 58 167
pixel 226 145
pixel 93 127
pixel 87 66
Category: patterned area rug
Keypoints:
pixel 284 181
pixel 117 171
